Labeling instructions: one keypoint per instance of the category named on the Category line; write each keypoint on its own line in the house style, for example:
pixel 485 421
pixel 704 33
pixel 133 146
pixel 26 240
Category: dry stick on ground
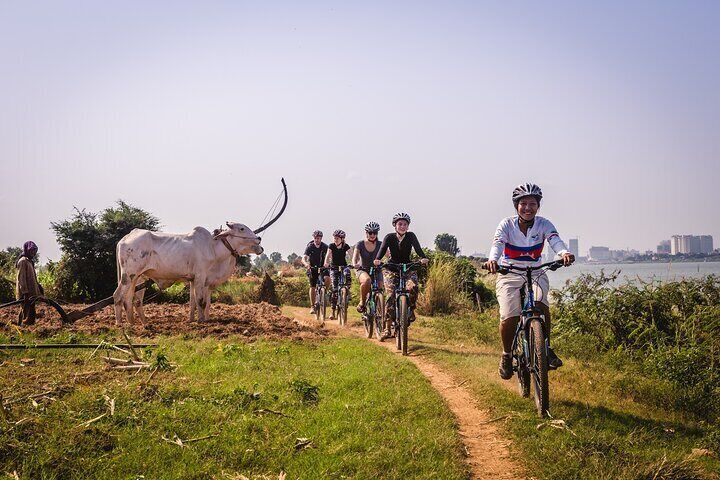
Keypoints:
pixel 132 349
pixel 458 385
pixel 180 442
pixel 91 421
pixel 267 410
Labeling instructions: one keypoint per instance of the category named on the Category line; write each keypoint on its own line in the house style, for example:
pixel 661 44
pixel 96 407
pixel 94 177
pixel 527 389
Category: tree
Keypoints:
pixel 87 268
pixel 292 257
pixel 447 243
pixel 276 257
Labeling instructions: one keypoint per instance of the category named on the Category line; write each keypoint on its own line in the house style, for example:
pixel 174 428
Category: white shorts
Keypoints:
pixel 507 289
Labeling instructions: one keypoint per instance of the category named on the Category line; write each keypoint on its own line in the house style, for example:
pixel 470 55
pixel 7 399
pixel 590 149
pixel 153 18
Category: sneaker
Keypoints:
pixel 506 367
pixel 361 308
pixel 312 311
pixel 554 361
pixel 385 335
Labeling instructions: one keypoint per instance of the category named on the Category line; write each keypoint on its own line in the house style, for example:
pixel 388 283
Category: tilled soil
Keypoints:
pixel 260 320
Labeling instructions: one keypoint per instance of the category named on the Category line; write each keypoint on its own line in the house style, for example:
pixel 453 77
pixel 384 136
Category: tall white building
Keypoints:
pixel 691 244
pixel 574 247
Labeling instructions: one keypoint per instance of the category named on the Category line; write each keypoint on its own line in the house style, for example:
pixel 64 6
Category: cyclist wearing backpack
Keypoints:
pixel 400 243
pixel 519 241
pixel 312 259
pixel 362 259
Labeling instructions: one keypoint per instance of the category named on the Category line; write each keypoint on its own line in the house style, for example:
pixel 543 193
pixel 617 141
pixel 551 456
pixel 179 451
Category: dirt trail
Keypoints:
pixel 487 451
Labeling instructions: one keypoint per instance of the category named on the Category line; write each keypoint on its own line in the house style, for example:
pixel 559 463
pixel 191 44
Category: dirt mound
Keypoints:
pixel 260 320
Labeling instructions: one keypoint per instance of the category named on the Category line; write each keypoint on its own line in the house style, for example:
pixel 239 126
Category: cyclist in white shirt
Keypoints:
pixel 519 241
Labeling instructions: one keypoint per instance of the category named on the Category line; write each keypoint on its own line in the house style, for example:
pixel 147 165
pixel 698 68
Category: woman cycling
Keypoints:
pixel 363 256
pixel 336 257
pixel 400 243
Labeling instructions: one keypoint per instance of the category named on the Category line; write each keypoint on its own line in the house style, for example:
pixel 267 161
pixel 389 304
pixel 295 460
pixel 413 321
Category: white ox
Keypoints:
pixel 199 257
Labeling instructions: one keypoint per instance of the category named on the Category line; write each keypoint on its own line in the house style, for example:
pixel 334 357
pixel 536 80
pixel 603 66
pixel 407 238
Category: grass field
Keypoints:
pixel 339 408
pixel 609 435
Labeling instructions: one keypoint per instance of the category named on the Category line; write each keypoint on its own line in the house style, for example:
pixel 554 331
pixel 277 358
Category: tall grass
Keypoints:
pixel 442 291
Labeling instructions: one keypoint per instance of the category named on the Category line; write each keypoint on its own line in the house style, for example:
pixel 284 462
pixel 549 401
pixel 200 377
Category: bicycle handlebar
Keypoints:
pixel 400 265
pixel 503 269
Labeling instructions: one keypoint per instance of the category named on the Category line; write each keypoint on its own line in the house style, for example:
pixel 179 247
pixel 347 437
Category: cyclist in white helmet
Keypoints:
pixel 400 243
pixel 519 240
pixel 363 256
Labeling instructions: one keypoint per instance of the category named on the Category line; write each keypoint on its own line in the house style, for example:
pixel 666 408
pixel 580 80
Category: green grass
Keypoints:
pixel 367 413
pixel 614 436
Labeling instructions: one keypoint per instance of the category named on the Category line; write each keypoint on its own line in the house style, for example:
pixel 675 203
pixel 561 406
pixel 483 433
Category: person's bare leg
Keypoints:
pixel 364 289
pixel 507 332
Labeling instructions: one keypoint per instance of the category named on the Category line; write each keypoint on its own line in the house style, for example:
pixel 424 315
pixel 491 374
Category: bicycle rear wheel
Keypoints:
pixel 379 315
pixel 539 367
pixel 403 325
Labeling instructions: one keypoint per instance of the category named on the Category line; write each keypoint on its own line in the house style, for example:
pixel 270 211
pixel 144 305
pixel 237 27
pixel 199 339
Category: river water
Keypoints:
pixel 665 272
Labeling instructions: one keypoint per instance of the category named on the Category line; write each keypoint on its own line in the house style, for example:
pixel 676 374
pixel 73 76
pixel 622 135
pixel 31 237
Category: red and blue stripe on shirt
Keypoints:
pixel 524 254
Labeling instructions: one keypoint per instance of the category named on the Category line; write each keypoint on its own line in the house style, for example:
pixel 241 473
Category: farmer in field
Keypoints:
pixel 27 286
pixel 519 241
pixel 313 258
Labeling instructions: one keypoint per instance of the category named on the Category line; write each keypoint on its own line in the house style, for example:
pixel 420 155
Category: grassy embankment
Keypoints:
pixel 624 422
pixel 258 405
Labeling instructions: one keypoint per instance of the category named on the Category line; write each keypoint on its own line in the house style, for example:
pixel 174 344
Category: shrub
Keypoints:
pixel 87 269
pixel 293 290
pixel 442 292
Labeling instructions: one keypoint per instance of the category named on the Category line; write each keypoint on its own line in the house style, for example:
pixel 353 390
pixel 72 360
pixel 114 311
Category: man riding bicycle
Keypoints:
pixel 362 259
pixel 519 241
pixel 400 243
pixel 313 259
pixel 336 257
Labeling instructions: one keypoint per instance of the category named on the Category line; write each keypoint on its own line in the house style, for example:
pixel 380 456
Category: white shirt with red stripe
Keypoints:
pixel 512 247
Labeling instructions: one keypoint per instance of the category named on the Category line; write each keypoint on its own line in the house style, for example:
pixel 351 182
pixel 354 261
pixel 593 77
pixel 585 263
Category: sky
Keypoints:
pixel 193 111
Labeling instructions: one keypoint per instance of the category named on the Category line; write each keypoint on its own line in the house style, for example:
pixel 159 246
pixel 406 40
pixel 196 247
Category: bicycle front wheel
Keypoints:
pixel 402 325
pixel 342 306
pixel 539 367
pixel 523 369
pixel 379 315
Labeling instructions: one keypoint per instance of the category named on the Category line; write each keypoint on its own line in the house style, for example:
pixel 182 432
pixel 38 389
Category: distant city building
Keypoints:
pixel 706 244
pixel 664 246
pixel 574 247
pixel 599 253
pixel 691 244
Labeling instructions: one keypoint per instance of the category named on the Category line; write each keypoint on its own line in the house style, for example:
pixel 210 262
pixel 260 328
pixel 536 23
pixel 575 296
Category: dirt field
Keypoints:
pixel 253 321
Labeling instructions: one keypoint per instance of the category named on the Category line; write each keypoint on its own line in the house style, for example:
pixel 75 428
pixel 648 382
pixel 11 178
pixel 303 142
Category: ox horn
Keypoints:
pixel 260 229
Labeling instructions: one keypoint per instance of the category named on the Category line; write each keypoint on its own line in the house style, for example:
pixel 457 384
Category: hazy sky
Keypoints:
pixel 194 110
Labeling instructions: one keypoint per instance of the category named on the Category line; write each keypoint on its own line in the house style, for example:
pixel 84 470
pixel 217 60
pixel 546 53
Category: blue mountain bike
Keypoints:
pixel 401 321
pixel 374 317
pixel 531 343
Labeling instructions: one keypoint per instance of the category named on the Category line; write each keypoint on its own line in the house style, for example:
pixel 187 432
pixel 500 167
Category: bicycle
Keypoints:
pixel 402 299
pixel 341 293
pixel 374 317
pixel 320 294
pixel 531 343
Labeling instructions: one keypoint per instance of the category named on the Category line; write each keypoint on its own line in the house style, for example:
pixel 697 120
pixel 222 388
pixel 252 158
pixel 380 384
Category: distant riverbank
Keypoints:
pixel 646 271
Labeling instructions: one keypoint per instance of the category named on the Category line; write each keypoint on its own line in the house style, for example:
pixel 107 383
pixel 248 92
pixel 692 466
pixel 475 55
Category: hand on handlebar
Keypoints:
pixel 491 266
pixel 376 262
pixel 568 258
pixel 424 261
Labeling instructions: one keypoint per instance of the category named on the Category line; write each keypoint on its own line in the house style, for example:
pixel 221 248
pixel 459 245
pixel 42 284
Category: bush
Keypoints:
pixel 87 269
pixel 669 330
pixel 293 290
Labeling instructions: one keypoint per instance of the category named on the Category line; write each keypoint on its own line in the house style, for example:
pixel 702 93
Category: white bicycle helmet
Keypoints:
pixel 317 233
pixel 339 233
pixel 371 227
pixel 526 190
pixel 400 216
